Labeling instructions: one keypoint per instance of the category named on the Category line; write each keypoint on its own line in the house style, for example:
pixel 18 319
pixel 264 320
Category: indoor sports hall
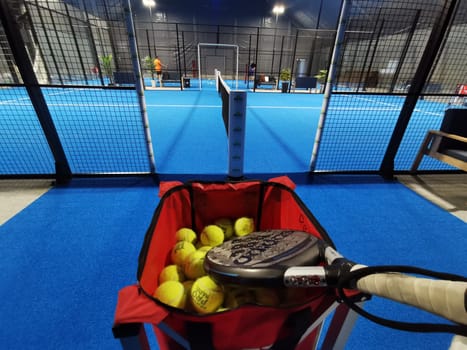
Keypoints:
pixel 361 105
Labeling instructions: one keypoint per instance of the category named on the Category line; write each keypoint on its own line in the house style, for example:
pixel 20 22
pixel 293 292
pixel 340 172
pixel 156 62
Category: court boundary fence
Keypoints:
pixel 398 51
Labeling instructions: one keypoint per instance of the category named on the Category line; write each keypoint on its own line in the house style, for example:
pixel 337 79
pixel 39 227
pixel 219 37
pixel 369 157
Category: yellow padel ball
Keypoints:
pixel 227 225
pixel 171 273
pixel 244 226
pixel 186 234
pixel 212 235
pixel 204 248
pixel 180 252
pixel 193 267
pixel 171 293
pixel 206 295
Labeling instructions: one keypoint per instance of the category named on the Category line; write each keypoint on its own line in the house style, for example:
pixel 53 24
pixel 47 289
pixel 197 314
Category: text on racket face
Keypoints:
pixel 259 247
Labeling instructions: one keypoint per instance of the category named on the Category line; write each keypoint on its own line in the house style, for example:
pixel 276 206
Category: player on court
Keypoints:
pixel 158 68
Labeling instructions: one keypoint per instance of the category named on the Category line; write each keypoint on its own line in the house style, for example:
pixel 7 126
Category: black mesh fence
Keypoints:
pixel 427 115
pixel 81 59
pixel 270 47
pixel 78 45
pixel 101 130
pixel 382 49
pixel 23 145
pixel 357 131
pixel 446 88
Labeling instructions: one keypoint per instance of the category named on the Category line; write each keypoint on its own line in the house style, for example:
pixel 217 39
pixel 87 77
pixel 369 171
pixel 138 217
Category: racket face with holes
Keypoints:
pixel 261 258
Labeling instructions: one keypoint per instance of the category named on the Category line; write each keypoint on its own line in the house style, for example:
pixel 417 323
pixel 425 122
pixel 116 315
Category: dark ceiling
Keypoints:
pixel 303 13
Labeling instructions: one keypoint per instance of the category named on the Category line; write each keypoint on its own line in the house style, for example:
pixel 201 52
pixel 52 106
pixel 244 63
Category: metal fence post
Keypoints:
pixel 139 83
pixel 346 4
pixel 440 28
pixel 18 49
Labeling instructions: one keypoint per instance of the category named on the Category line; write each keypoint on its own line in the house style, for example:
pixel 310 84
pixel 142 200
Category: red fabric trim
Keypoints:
pixel 284 180
pixel 165 186
pixel 134 306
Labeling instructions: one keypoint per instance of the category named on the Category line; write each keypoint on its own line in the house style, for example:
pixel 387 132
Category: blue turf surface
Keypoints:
pixel 279 131
pixel 102 132
pixel 64 258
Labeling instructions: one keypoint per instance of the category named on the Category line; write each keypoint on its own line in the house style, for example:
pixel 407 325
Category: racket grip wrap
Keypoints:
pixel 440 297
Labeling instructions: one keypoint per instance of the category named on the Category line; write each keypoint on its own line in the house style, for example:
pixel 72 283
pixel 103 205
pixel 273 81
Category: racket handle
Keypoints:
pixel 458 343
pixel 444 298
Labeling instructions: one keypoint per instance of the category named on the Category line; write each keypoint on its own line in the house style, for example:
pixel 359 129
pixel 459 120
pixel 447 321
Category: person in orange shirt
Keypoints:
pixel 158 67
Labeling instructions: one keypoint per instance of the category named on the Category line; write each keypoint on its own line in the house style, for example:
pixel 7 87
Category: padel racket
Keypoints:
pixel 290 258
pixel 261 258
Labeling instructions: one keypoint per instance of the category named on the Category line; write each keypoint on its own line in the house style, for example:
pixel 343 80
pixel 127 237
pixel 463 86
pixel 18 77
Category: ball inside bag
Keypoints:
pixel 186 234
pixel 171 273
pixel 181 251
pixel 171 293
pixel 194 265
pixel 244 226
pixel 212 235
pixel 227 225
pixel 206 295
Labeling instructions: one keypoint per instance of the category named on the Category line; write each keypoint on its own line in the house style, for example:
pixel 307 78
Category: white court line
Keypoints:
pixel 283 107
pixel 363 109
pixel 206 106
pixel 28 99
pixel 16 100
pixel 278 107
pixel 92 105
pixel 395 105
pixel 219 106
pixel 185 106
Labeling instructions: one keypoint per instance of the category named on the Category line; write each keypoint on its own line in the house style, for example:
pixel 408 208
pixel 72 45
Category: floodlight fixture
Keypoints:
pixel 278 9
pixel 149 3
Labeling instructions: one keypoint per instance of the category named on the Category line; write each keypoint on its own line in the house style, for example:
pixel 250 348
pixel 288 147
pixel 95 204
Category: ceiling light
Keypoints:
pixel 149 3
pixel 278 9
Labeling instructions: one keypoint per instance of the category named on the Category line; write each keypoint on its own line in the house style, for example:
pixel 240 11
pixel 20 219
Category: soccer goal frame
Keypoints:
pixel 220 46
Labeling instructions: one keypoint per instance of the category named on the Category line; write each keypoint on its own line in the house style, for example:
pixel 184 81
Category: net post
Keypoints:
pixel 236 133
pixel 199 67
pixel 217 74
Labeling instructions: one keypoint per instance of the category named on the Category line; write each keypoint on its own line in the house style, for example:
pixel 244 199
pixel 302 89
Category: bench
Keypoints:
pixel 449 144
pixel 265 80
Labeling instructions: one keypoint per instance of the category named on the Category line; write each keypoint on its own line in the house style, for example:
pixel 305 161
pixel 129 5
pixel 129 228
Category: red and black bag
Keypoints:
pixel 273 205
